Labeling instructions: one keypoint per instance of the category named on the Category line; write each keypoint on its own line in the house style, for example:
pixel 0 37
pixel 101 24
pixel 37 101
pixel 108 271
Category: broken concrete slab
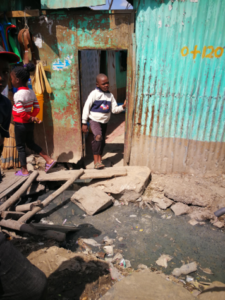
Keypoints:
pixel 88 174
pixel 162 203
pixel 180 209
pixel 201 214
pixel 180 193
pixel 127 188
pixel 91 199
pixel 146 285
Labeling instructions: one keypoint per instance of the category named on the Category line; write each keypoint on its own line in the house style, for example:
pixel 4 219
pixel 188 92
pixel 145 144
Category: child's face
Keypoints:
pixel 15 80
pixel 103 84
pixel 4 74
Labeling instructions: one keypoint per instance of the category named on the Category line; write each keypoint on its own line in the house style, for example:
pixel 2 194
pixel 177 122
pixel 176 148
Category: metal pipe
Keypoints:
pixel 220 212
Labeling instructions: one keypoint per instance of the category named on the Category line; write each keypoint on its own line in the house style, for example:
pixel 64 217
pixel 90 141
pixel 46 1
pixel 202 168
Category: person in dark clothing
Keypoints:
pixel 19 279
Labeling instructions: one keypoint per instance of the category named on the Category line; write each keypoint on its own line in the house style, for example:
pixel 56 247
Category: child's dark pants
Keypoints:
pixel 99 132
pixel 24 133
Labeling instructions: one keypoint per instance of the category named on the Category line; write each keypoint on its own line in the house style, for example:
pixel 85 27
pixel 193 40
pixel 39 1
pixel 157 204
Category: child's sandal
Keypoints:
pixel 98 166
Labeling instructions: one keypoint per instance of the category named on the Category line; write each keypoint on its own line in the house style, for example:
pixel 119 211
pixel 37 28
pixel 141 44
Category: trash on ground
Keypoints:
pixel 185 269
pixel 193 222
pixel 189 278
pixel 133 216
pixel 117 258
pixel 114 272
pixel 163 259
pixel 91 242
pixel 206 270
pixel 108 250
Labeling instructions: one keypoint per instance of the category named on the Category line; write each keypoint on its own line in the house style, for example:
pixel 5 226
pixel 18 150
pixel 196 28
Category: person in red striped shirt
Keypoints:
pixel 24 117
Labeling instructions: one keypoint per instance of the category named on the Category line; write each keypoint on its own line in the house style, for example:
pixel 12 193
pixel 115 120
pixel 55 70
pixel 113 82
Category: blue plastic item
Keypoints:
pixel 29 84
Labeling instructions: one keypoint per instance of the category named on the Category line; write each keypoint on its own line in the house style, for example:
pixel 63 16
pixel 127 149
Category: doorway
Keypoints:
pixel 114 65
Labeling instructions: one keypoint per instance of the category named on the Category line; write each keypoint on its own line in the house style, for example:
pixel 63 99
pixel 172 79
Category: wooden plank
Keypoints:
pixel 88 174
pixel 29 206
pixel 12 187
pixel 16 225
pixel 20 191
pixel 62 228
pixel 9 180
pixel 21 14
pixel 65 186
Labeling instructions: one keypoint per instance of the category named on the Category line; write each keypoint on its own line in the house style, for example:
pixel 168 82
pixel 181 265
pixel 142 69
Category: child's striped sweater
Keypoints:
pixel 24 101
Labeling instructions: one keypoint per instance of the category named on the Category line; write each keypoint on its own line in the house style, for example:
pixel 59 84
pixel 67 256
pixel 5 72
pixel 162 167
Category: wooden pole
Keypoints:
pixel 28 206
pixel 16 225
pixel 20 191
pixel 30 214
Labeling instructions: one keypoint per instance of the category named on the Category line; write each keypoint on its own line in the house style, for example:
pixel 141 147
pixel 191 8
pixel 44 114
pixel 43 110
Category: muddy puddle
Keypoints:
pixel 142 236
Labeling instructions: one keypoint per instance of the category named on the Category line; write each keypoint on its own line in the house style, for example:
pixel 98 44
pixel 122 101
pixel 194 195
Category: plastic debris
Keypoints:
pixel 40 244
pixel 189 278
pixel 64 221
pixel 185 269
pixel 141 230
pixel 133 216
pixel 91 242
pixel 118 257
pixel 115 274
pixel 108 250
pixel 117 203
pixel 123 263
pixel 163 259
pixel 128 264
pixel 117 220
pixel 120 239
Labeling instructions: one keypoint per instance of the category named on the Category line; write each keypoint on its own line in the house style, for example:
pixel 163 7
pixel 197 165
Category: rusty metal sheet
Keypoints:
pixel 179 120
pixel 54 4
pixel 60 36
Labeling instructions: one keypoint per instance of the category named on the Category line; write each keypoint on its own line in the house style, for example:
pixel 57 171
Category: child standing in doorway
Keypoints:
pixel 24 118
pixel 98 107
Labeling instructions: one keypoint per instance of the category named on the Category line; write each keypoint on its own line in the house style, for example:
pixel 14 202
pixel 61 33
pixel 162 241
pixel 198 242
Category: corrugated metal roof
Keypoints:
pixel 54 4
pixel 181 78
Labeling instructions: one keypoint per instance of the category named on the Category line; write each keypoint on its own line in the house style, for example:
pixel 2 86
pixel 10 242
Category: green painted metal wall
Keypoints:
pixel 180 81
pixel 53 4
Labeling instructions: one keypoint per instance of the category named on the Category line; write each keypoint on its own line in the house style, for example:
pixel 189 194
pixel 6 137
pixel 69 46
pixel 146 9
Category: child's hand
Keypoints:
pixel 124 104
pixel 35 119
pixel 84 128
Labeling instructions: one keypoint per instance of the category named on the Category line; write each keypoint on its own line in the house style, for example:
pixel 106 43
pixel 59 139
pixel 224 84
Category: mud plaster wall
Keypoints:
pixel 58 37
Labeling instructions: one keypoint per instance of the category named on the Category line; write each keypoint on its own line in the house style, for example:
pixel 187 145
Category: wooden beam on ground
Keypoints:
pixel 88 174
pixel 62 228
pixel 11 215
pixel 19 226
pixel 30 214
pixel 20 191
pixel 10 183
pixel 21 14
pixel 29 206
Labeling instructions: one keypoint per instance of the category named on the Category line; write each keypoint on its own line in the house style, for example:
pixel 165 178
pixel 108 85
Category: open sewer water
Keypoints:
pixel 146 235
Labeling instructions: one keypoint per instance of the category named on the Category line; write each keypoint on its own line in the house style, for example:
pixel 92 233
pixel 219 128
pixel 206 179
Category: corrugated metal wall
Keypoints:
pixel 179 117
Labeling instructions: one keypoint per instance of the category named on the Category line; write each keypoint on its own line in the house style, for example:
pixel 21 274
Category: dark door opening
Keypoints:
pixel 114 65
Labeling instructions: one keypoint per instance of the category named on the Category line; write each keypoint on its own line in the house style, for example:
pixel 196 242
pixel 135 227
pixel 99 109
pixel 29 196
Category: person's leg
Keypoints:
pixel 19 279
pixel 104 129
pixel 31 144
pixel 97 141
pixel 20 135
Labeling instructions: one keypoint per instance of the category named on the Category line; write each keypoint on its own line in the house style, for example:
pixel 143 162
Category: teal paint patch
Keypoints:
pixel 54 4
pixel 181 91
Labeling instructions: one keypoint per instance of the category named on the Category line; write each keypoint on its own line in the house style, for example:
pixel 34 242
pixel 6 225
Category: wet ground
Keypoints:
pixel 146 235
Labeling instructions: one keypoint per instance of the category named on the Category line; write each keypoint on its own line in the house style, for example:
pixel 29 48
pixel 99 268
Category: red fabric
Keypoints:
pixel 24 117
pixel 23 88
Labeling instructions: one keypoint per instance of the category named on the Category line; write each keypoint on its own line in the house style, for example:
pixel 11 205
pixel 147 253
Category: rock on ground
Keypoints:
pixel 201 214
pixel 162 203
pixel 146 285
pixel 180 209
pixel 91 199
pixel 127 188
